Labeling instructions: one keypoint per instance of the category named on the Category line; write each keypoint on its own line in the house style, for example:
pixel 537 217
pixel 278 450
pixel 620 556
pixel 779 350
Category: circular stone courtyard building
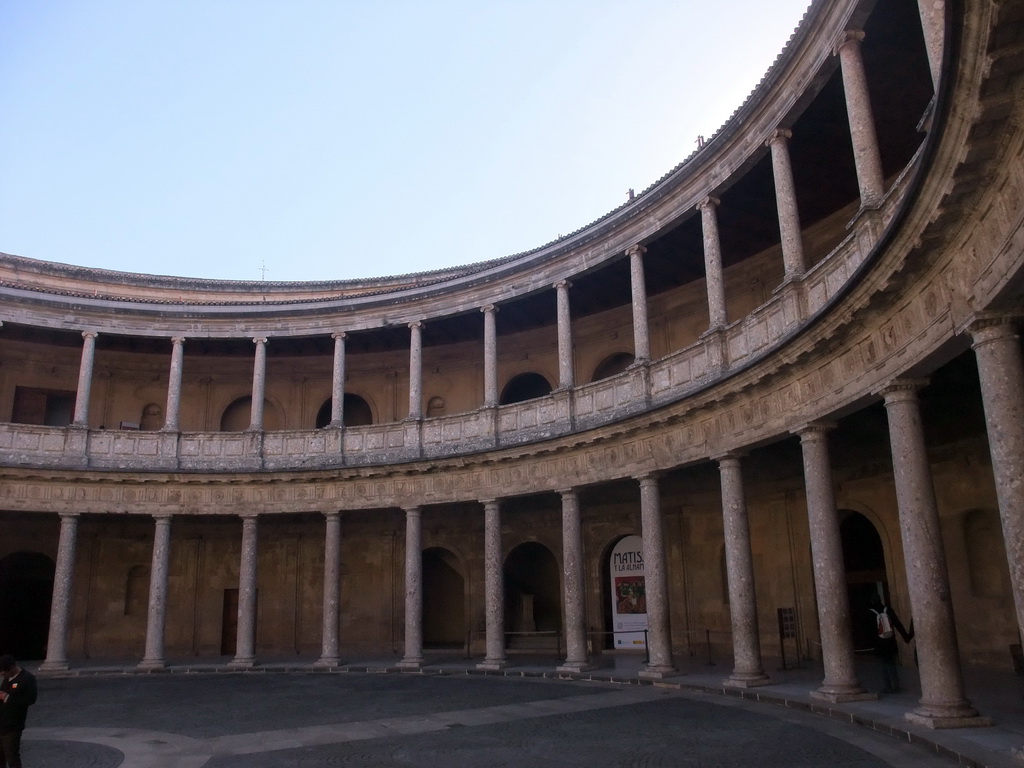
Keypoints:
pixel 785 377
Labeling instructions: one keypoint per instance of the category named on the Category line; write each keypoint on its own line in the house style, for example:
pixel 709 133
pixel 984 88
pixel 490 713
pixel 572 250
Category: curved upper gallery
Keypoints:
pixel 748 292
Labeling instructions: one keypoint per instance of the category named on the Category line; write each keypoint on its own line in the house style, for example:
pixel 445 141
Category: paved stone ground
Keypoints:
pixel 310 720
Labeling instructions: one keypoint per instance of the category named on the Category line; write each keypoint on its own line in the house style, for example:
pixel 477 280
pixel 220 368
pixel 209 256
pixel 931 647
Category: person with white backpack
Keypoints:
pixel 885 624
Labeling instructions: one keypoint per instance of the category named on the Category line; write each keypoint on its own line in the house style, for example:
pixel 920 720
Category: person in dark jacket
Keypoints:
pixel 885 624
pixel 17 694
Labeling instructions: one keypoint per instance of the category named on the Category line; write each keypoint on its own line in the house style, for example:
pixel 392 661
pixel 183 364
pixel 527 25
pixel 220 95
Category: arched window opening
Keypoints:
pixel 525 386
pixel 864 558
pixel 238 416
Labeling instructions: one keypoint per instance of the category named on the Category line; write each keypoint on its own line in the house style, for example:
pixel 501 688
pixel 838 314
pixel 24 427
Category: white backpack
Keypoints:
pixel 884 623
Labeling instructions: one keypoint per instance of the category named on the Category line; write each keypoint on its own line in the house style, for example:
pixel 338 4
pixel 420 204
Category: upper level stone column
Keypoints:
pixel 338 381
pixel 413 658
pixel 156 619
pixel 416 370
pixel 259 383
pixel 332 592
pixel 840 683
pixel 572 556
pixel 748 669
pixel 565 366
pixel 60 605
pixel 174 384
pixel 785 201
pixel 659 639
pixel 641 329
pixel 490 355
pixel 933 24
pixel 1001 370
pixel 942 704
pixel 494 588
pixel 85 379
pixel 861 119
pixel 245 644
pixel 713 261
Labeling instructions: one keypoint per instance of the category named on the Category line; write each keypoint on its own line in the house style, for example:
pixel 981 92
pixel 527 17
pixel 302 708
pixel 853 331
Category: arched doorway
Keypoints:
pixel 444 600
pixel 26 591
pixel 525 386
pixel 864 558
pixel 533 598
pixel 355 412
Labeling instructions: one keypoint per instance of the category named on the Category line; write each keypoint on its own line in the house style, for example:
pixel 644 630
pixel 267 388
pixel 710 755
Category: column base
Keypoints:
pixel 414 663
pixel 574 667
pixel 242 663
pixel 747 681
pixel 937 722
pixel 493 665
pixel 48 667
pixel 151 665
pixel 841 697
pixel 658 671
pixel 326 662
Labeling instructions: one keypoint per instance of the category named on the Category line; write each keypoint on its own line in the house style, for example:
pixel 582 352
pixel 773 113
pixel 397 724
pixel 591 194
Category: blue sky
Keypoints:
pixel 324 140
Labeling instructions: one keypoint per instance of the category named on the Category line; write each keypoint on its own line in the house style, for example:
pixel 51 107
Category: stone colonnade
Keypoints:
pixel 943 702
pixel 871 185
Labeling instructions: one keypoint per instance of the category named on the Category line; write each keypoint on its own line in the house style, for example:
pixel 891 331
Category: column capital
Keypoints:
pixel 729 457
pixel 70 515
pixel 710 201
pixel 848 36
pixel 563 492
pixel 416 324
pixel 636 250
pixel 245 516
pixel 259 340
pixel 89 334
pixel 492 308
pixel 413 511
pixel 990 324
pixel 338 335
pixel 814 430
pixel 902 389
pixel 647 478
pixel 178 340
pixel 162 517
pixel 562 285
pixel 333 515
pixel 779 134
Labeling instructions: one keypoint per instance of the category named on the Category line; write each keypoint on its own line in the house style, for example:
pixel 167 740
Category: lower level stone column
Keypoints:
pixel 840 683
pixel 413 658
pixel 494 589
pixel 572 554
pixel 332 589
pixel 748 670
pixel 659 639
pixel 60 606
pixel 245 646
pixel 942 704
pixel 1001 371
pixel 157 616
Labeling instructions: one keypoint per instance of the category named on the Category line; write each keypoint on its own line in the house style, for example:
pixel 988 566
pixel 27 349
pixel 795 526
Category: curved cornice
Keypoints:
pixel 102 300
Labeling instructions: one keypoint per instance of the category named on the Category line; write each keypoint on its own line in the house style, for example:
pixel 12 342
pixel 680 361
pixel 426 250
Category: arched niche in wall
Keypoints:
pixel 612 365
pixel 444 600
pixel 356 412
pixel 533 597
pixel 525 386
pixel 238 415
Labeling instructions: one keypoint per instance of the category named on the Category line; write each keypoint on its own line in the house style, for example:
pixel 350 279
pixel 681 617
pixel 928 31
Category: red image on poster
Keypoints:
pixel 630 595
